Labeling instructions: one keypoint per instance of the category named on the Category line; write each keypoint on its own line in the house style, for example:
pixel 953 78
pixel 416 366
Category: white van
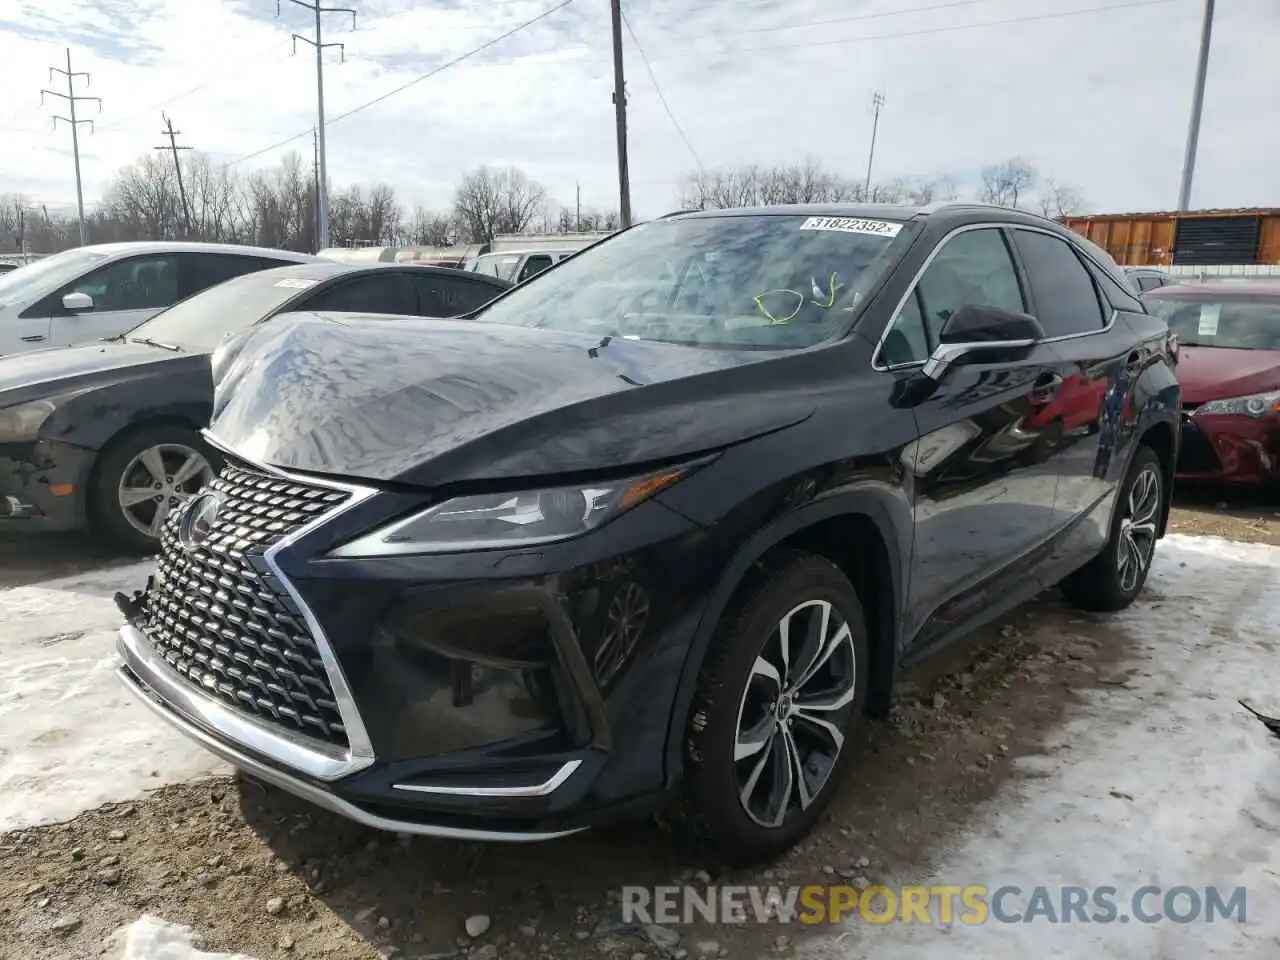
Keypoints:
pixel 102 290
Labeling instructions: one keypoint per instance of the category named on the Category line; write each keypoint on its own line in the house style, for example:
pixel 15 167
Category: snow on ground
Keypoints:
pixel 1166 781
pixel 150 938
pixel 71 737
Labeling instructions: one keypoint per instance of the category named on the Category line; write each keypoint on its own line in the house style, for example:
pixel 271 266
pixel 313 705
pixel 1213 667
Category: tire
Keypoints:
pixel 123 466
pixel 734 693
pixel 1108 582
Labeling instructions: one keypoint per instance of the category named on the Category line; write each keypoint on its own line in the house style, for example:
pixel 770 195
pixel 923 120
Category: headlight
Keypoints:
pixel 21 423
pixel 495 521
pixel 1255 405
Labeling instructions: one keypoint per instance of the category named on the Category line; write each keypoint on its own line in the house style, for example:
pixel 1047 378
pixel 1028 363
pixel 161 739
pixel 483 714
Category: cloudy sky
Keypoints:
pixel 1094 92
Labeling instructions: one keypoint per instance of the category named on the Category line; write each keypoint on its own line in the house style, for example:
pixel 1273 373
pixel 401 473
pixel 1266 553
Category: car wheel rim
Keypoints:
pixel 1137 540
pixel 158 481
pixel 792 713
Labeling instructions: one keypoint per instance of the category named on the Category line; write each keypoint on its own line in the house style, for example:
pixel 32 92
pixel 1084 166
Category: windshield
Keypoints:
pixel 1221 320
pixel 41 276
pixel 735 282
pixel 199 323
pixel 500 265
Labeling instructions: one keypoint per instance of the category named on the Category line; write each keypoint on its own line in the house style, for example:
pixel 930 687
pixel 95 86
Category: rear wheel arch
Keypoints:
pixel 862 533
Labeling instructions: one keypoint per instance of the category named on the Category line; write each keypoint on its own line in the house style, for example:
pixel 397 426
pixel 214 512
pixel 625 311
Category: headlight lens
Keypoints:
pixel 1255 405
pixel 21 423
pixel 512 520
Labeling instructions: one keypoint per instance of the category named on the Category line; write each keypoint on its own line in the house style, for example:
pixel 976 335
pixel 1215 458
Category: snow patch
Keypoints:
pixel 150 938
pixel 71 737
pixel 1165 781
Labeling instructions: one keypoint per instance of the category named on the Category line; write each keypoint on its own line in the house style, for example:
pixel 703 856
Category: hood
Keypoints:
pixel 40 373
pixel 1215 373
pixel 428 402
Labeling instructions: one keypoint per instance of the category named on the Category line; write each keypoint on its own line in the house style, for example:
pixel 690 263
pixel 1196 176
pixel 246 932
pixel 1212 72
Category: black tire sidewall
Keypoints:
pixel 713 724
pixel 106 518
pixel 1143 457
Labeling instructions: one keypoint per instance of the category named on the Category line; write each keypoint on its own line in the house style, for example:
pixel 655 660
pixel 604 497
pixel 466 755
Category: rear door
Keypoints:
pixel 981 476
pixel 200 271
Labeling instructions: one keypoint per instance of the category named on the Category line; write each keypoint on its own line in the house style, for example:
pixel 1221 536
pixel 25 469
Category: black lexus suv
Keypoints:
pixel 666 519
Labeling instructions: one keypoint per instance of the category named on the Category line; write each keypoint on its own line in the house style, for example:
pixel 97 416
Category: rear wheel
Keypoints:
pixel 777 703
pixel 1112 579
pixel 142 478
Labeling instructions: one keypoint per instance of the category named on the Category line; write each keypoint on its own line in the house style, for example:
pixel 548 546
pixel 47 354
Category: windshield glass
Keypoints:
pixel 44 276
pixel 1221 320
pixel 199 323
pixel 500 265
pixel 735 282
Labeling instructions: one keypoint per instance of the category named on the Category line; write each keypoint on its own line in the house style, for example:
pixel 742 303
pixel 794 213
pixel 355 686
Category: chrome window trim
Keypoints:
pixel 879 365
pixel 547 787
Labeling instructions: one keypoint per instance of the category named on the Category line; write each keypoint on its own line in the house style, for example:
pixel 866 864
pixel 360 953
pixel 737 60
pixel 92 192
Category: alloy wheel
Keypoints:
pixel 158 481
pixel 793 711
pixel 1136 543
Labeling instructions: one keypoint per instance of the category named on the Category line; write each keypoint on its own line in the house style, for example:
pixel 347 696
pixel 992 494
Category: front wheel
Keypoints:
pixel 778 700
pixel 1112 579
pixel 142 478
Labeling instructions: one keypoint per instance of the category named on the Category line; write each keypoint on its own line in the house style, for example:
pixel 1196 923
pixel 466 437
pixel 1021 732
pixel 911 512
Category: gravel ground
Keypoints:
pixel 253 870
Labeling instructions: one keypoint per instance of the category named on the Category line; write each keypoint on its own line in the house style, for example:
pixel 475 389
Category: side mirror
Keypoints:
pixel 980 334
pixel 77 302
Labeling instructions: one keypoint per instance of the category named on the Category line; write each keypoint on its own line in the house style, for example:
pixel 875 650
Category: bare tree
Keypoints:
pixel 489 202
pixel 1004 184
pixel 429 229
pixel 1059 199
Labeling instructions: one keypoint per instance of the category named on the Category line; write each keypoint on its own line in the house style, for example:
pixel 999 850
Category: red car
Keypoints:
pixel 1229 365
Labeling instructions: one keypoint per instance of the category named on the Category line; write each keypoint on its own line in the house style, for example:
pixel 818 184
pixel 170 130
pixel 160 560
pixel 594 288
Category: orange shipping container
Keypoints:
pixel 1250 236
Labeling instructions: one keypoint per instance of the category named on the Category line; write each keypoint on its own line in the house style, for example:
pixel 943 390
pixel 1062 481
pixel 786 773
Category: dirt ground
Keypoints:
pixel 253 870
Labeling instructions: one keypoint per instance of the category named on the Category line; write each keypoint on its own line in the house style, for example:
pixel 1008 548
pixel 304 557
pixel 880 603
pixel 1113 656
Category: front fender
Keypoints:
pixel 883 505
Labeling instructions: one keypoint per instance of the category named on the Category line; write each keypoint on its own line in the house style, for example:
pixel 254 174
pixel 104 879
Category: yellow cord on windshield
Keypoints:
pixel 769 315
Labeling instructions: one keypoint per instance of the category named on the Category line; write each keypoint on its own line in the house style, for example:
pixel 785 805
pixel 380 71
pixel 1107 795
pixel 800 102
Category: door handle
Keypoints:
pixel 1045 388
pixel 37 338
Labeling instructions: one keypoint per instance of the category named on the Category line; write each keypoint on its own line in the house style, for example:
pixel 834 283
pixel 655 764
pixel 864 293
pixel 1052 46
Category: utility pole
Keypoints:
pixel 620 116
pixel 1197 107
pixel 173 147
pixel 72 99
pixel 315 171
pixel 577 223
pixel 322 193
pixel 877 101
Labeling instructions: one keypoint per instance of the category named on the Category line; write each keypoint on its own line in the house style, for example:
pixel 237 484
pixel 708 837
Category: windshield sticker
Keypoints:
pixel 1209 313
pixel 295 283
pixel 878 228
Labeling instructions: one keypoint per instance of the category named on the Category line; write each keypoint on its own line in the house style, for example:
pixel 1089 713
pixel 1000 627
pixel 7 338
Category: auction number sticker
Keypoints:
pixel 296 283
pixel 1209 314
pixel 878 228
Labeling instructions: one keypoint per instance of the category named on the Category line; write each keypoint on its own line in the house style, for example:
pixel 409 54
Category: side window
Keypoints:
pixel 1149 283
pixel 138 283
pixel 1066 299
pixel 973 267
pixel 205 270
pixel 450 297
pixel 534 265
pixel 375 293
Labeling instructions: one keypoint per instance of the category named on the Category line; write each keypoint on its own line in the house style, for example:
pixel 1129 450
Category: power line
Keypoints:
pixel 803 25
pixel 405 86
pixel 952 28
pixel 657 88
pixel 72 98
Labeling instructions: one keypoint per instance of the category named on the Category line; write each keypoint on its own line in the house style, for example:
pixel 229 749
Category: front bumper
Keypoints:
pixel 454 720
pixel 1230 448
pixel 42 486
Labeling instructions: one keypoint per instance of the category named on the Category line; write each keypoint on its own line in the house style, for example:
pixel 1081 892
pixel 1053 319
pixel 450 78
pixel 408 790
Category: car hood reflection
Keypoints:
pixel 436 401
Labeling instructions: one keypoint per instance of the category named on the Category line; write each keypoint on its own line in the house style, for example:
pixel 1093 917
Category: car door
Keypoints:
pixel 379 291
pixel 450 296
pixel 1096 359
pixel 124 293
pixel 980 477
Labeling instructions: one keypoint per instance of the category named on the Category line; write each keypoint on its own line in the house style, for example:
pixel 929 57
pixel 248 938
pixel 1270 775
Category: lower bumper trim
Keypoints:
pixel 313 794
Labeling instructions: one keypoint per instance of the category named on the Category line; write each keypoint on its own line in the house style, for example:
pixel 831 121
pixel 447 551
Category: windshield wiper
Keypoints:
pixel 155 343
